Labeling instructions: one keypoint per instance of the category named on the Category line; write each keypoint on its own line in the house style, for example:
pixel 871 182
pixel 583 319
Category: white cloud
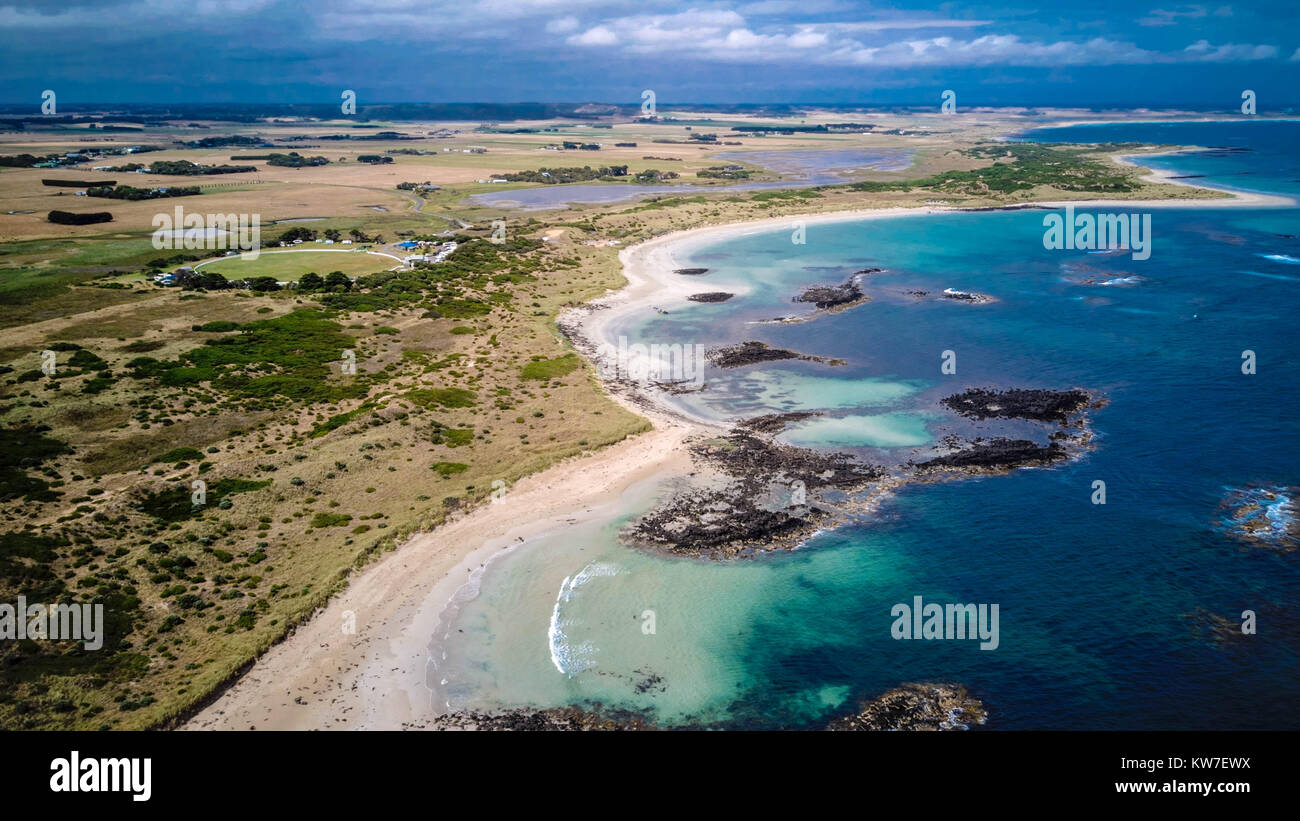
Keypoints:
pixel 1202 51
pixel 598 36
pixel 562 25
pixel 725 37
pixel 771 32
pixel 1170 17
pixel 906 23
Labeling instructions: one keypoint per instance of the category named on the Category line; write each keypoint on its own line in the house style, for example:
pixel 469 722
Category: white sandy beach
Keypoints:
pixel 320 678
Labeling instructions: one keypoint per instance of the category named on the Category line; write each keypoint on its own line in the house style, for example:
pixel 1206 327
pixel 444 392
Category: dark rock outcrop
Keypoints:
pixel 751 352
pixel 710 296
pixel 1018 403
pixel 916 707
pixel 833 297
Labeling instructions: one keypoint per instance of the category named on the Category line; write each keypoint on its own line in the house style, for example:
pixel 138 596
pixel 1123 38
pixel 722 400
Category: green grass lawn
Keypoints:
pixel 289 267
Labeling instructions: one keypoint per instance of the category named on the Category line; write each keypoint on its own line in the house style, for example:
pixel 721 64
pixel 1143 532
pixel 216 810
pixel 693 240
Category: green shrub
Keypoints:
pixel 181 455
pixel 443 397
pixel 330 519
pixel 447 469
pixel 551 368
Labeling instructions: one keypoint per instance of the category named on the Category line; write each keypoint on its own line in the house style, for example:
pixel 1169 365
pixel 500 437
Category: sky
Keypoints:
pixel 1031 52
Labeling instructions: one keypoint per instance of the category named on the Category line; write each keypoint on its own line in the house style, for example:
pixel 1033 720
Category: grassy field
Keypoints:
pixel 289 266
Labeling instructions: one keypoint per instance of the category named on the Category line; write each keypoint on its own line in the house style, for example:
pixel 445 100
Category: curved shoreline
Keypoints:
pixel 320 678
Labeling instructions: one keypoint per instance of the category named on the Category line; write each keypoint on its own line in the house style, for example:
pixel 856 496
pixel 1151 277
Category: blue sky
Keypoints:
pixel 1116 52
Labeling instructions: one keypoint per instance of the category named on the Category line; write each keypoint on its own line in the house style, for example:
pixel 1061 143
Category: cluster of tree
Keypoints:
pixel 378 135
pixel 311 235
pixel 202 280
pixel 27 160
pixel 185 168
pixel 553 176
pixel 212 281
pixel 294 160
pixel 298 233
pixel 78 183
pixel 570 146
pixel 219 142
pixel 374 159
pixel 416 186
pixel 655 175
pixel 69 218
pixel 840 128
pixel 722 172
pixel 126 192
pixel 335 281
pixel 705 138
pixel 692 141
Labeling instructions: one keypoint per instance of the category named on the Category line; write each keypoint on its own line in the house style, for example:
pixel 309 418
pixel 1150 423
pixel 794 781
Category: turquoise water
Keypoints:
pixel 1096 601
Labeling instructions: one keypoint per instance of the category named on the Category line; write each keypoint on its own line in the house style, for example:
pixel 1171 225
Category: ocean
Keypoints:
pixel 1105 609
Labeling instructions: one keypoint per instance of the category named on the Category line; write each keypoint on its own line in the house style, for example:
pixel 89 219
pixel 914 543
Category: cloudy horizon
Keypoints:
pixel 266 51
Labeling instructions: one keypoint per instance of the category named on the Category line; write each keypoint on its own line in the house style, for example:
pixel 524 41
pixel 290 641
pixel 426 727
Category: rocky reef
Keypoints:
pixel 530 719
pixel 973 297
pixel 909 707
pixel 764 495
pixel 751 352
pixel 710 296
pixel 914 707
pixel 775 422
pixel 766 498
pixel 996 455
pixel 690 272
pixel 1018 403
pixel 952 294
pixel 834 297
pixel 1262 517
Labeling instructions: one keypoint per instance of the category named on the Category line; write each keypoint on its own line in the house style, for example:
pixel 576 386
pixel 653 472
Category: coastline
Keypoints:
pixel 320 678
pixel 1168 120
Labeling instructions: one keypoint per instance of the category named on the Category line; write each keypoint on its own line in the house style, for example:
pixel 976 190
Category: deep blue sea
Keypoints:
pixel 1103 608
